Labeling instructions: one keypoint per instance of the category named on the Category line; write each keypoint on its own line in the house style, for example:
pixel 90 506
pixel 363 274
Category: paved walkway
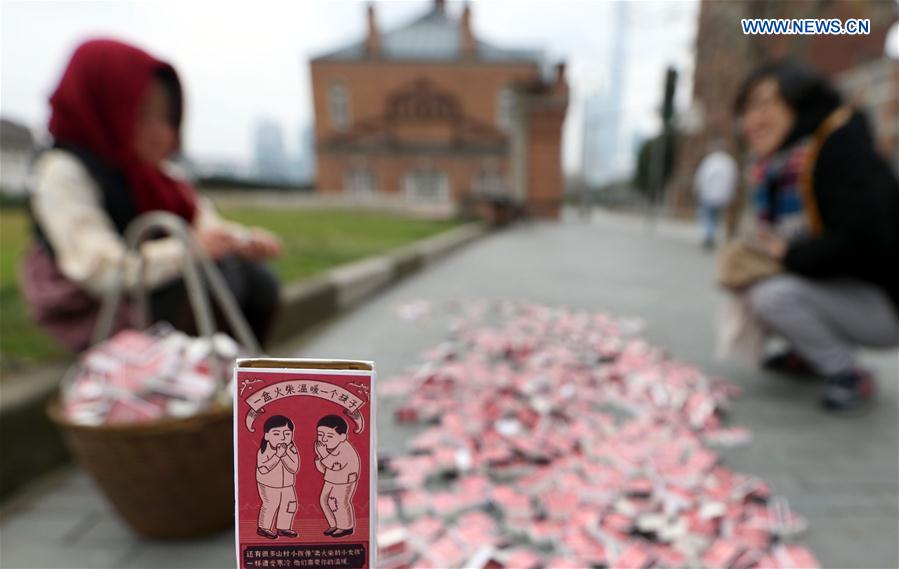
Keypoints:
pixel 840 472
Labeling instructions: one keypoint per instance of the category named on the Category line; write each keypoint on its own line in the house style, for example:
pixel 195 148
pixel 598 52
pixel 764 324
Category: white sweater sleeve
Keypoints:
pixel 208 217
pixel 67 205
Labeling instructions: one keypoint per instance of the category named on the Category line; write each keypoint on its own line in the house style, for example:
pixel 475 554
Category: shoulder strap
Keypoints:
pixel 833 122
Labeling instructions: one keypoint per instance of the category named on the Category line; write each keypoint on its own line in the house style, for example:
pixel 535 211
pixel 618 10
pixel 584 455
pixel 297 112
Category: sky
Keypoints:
pixel 245 62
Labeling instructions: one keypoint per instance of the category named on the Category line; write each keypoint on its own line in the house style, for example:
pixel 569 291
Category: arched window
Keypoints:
pixel 423 102
pixel 339 106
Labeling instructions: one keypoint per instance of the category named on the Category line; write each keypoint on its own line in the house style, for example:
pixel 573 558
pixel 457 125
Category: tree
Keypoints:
pixel 644 175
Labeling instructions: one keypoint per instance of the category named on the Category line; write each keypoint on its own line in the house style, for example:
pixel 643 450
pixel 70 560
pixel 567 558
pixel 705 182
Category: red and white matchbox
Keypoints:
pixel 304 463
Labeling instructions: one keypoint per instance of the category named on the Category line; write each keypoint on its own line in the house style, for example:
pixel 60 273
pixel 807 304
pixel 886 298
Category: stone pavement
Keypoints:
pixel 842 473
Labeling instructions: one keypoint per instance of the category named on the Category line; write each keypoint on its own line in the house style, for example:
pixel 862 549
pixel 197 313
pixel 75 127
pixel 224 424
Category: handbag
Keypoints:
pixel 739 332
pixel 740 265
pixel 59 306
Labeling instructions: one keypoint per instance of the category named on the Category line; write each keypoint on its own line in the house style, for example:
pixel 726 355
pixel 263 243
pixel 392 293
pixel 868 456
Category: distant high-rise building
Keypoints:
pixel 302 164
pixel 604 154
pixel 271 157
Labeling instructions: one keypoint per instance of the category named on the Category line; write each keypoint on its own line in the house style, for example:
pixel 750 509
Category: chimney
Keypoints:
pixel 373 39
pixel 469 46
pixel 440 6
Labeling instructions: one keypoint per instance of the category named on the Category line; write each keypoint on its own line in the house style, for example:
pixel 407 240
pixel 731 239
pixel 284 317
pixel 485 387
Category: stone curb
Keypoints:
pixel 30 443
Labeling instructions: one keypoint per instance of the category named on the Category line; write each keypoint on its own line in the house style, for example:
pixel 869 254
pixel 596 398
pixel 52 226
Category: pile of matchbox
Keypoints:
pixel 557 438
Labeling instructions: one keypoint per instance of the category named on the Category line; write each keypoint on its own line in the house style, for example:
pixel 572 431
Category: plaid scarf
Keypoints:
pixel 776 194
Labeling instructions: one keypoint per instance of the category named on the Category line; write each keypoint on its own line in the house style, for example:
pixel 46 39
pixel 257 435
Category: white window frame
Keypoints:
pixel 413 191
pixel 339 106
pixel 359 182
pixel 505 108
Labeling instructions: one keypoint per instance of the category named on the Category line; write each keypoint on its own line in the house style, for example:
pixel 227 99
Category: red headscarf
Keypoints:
pixel 95 107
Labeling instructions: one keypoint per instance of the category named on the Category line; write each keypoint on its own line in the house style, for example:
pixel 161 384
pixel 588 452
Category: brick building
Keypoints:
pixel 724 57
pixel 432 114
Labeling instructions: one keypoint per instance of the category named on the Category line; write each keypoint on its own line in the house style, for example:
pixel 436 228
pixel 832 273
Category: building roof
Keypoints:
pixel 434 36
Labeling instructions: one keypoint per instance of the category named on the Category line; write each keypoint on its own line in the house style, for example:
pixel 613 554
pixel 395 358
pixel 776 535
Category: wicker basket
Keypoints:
pixel 169 479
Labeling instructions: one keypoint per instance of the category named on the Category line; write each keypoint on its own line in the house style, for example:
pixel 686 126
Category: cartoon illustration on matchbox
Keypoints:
pixel 339 463
pixel 305 465
pixel 276 469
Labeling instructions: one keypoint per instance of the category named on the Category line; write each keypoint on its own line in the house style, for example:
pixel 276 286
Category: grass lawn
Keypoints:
pixel 315 240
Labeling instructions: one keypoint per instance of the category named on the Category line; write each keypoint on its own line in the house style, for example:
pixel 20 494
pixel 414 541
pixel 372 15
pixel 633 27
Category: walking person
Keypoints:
pixel 714 184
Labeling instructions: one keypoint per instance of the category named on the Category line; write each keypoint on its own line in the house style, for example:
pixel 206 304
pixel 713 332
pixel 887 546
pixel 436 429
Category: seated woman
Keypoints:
pixel 115 119
pixel 827 206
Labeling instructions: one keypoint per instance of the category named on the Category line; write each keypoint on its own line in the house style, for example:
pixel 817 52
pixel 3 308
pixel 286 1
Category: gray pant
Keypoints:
pixel 824 321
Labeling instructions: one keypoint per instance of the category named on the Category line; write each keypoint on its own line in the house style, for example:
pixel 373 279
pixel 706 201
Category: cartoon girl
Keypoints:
pixel 277 464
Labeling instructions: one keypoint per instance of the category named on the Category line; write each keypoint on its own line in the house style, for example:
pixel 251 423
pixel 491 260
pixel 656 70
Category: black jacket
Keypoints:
pixel 858 201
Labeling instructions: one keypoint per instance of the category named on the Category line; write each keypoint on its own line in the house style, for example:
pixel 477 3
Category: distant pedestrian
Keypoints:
pixel 827 210
pixel 714 184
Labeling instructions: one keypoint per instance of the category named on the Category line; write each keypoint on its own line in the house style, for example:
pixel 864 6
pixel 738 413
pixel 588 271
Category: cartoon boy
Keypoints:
pixel 276 469
pixel 339 462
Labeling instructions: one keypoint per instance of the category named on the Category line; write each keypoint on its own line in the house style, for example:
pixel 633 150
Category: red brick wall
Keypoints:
pixel 544 162
pixel 475 87
pixel 371 82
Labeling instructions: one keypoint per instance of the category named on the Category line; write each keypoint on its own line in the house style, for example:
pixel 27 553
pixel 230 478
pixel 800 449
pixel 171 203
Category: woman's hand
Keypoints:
pixel 217 241
pixel 282 448
pixel 772 243
pixel 257 243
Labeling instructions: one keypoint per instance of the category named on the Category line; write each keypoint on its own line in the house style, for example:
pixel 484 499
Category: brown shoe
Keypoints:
pixel 266 533
pixel 287 532
pixel 342 532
